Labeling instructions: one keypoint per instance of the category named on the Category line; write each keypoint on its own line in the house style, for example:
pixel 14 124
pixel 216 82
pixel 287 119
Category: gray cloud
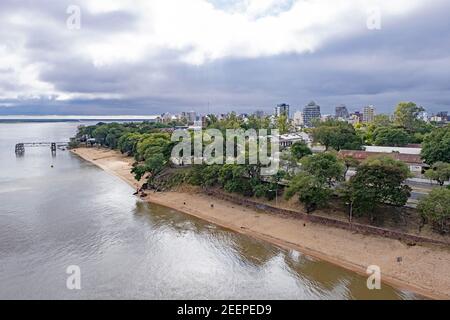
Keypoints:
pixel 408 59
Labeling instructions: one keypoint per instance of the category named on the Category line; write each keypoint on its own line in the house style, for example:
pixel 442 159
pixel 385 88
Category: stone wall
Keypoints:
pixel 361 228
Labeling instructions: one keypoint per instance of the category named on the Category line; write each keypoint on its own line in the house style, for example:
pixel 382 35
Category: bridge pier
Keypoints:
pixel 20 148
pixel 53 147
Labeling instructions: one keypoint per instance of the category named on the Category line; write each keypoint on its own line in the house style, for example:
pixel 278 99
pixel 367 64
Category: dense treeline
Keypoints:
pixel 403 128
pixel 315 179
pixel 145 141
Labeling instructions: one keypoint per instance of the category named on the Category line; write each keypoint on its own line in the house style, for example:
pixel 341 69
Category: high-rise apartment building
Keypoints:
pixel 191 116
pixel 341 112
pixel 356 117
pixel 368 114
pixel 281 109
pixel 259 114
pixel 310 112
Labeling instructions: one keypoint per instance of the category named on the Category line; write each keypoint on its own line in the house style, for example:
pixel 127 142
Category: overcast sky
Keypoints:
pixel 153 56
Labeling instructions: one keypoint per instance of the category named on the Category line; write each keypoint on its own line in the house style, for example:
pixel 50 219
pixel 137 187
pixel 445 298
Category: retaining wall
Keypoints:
pixel 361 228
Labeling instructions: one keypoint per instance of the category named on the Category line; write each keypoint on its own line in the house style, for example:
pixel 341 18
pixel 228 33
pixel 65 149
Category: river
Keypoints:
pixel 76 214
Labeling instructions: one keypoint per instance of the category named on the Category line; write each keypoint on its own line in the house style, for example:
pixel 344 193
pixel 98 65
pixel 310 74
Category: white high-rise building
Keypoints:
pixel 298 119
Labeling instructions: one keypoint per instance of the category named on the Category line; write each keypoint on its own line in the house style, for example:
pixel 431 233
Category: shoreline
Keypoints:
pixel 424 269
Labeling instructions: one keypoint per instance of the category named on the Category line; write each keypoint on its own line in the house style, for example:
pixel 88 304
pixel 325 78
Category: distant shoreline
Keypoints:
pixel 424 269
pixel 76 118
pixel 36 121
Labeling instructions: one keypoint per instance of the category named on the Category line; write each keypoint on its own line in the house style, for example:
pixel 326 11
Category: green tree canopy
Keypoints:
pixel 300 149
pixel 151 144
pixel 388 136
pixel 382 120
pixel 435 208
pixel 311 191
pixel 337 135
pixel 436 146
pixel 234 178
pixel 378 180
pixel 127 143
pixel 325 166
pixel 283 124
pixel 406 115
pixel 440 171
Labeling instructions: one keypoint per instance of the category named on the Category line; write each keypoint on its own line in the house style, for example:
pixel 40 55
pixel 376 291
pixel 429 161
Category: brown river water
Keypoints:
pixel 77 214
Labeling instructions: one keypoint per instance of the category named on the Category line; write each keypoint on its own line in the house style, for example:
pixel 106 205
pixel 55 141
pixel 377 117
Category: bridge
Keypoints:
pixel 20 147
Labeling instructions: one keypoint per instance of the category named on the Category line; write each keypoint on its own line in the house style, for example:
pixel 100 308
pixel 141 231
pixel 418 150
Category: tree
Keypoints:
pixel 288 161
pixel 84 132
pixel 100 133
pixel 283 125
pixel 440 171
pixel 406 115
pixel 300 149
pixel 139 171
pixel 311 191
pixel 127 143
pixel 211 119
pixel 382 120
pixel 234 178
pixel 337 135
pixel 324 166
pixel 113 137
pixel 388 136
pixel 257 123
pixel 151 144
pixel 435 208
pixel 204 175
pixel 155 164
pixel 377 181
pixel 436 146
pixel 266 190
pixel 324 135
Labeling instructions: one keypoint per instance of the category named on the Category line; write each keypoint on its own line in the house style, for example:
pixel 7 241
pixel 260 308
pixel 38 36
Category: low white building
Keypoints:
pixel 402 150
pixel 286 140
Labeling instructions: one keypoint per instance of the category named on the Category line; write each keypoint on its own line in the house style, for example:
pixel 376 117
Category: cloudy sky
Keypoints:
pixel 152 56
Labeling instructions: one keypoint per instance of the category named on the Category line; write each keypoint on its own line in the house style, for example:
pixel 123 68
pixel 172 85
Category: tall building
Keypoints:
pixel 166 117
pixel 298 119
pixel 443 115
pixel 368 114
pixel 282 108
pixel 310 112
pixel 440 117
pixel 259 114
pixel 355 117
pixel 341 112
pixel 191 116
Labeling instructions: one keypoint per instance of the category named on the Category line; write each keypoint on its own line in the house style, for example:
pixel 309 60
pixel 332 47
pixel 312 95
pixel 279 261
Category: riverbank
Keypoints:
pixel 424 269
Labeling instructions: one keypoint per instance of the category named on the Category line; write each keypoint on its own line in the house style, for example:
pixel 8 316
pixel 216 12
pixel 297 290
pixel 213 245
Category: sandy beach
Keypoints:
pixel 424 269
